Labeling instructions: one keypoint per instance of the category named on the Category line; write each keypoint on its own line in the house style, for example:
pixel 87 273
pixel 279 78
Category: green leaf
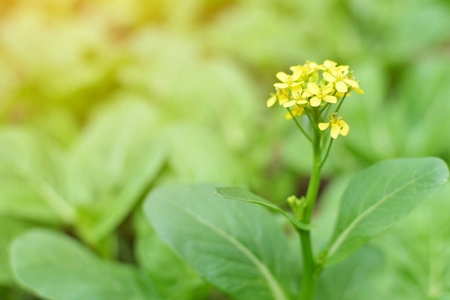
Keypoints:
pixel 32 172
pixel 113 165
pixel 380 196
pixel 236 193
pixel 422 271
pixel 178 281
pixel 57 267
pixel 236 246
pixel 9 229
pixel 361 276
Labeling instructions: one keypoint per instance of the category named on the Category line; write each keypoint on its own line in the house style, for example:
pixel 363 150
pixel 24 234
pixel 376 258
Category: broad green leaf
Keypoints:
pixel 418 250
pixel 55 266
pixel 361 276
pixel 178 280
pixel 9 229
pixel 32 172
pixel 112 166
pixel 102 217
pixel 380 196
pixel 240 194
pixel 236 246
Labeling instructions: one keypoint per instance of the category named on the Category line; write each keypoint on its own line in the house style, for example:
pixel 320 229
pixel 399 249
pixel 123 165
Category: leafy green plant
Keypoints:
pixel 92 191
pixel 101 101
pixel 242 250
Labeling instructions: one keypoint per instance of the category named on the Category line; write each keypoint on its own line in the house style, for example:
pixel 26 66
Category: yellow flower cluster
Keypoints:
pixel 313 85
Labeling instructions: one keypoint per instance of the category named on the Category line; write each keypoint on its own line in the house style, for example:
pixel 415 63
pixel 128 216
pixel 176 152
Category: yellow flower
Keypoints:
pixel 308 72
pixel 355 85
pixel 297 99
pixel 338 126
pixel 297 111
pixel 299 71
pixel 329 64
pixel 306 69
pixel 298 105
pixel 310 84
pixel 288 81
pixel 337 75
pixel 313 66
pixel 337 79
pixel 318 94
pixel 281 95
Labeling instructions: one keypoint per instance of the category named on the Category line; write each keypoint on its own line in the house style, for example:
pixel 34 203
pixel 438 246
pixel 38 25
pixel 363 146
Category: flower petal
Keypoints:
pixel 329 64
pixel 296 76
pixel 341 87
pixel 343 68
pixel 290 103
pixel 327 89
pixel 334 131
pixel 330 99
pixel 307 94
pixel 283 99
pixel 283 77
pixel 323 126
pixel 271 101
pixel 315 101
pixel 351 83
pixel 335 72
pixel 359 91
pixel 298 111
pixel 281 85
pixel 340 95
pixel 296 88
pixel 313 88
pixel 328 77
pixel 298 70
pixel 344 128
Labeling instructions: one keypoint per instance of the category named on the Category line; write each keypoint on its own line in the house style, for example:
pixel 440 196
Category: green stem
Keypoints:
pixel 309 265
pixel 328 151
pixel 298 125
pixel 309 117
pixel 324 108
pixel 340 103
pixel 308 281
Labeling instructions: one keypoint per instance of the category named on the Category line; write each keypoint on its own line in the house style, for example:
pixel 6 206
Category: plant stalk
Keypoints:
pixel 308 283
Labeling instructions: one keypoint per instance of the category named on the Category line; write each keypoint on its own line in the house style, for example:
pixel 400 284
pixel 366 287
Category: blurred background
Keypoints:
pixel 102 100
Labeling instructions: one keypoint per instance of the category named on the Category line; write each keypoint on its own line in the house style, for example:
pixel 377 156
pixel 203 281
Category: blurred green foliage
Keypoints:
pixel 102 100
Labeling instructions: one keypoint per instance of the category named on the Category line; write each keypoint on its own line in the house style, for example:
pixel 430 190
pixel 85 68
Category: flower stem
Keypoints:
pixel 326 153
pixel 308 282
pixel 324 107
pixel 309 265
pixel 298 125
pixel 340 103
